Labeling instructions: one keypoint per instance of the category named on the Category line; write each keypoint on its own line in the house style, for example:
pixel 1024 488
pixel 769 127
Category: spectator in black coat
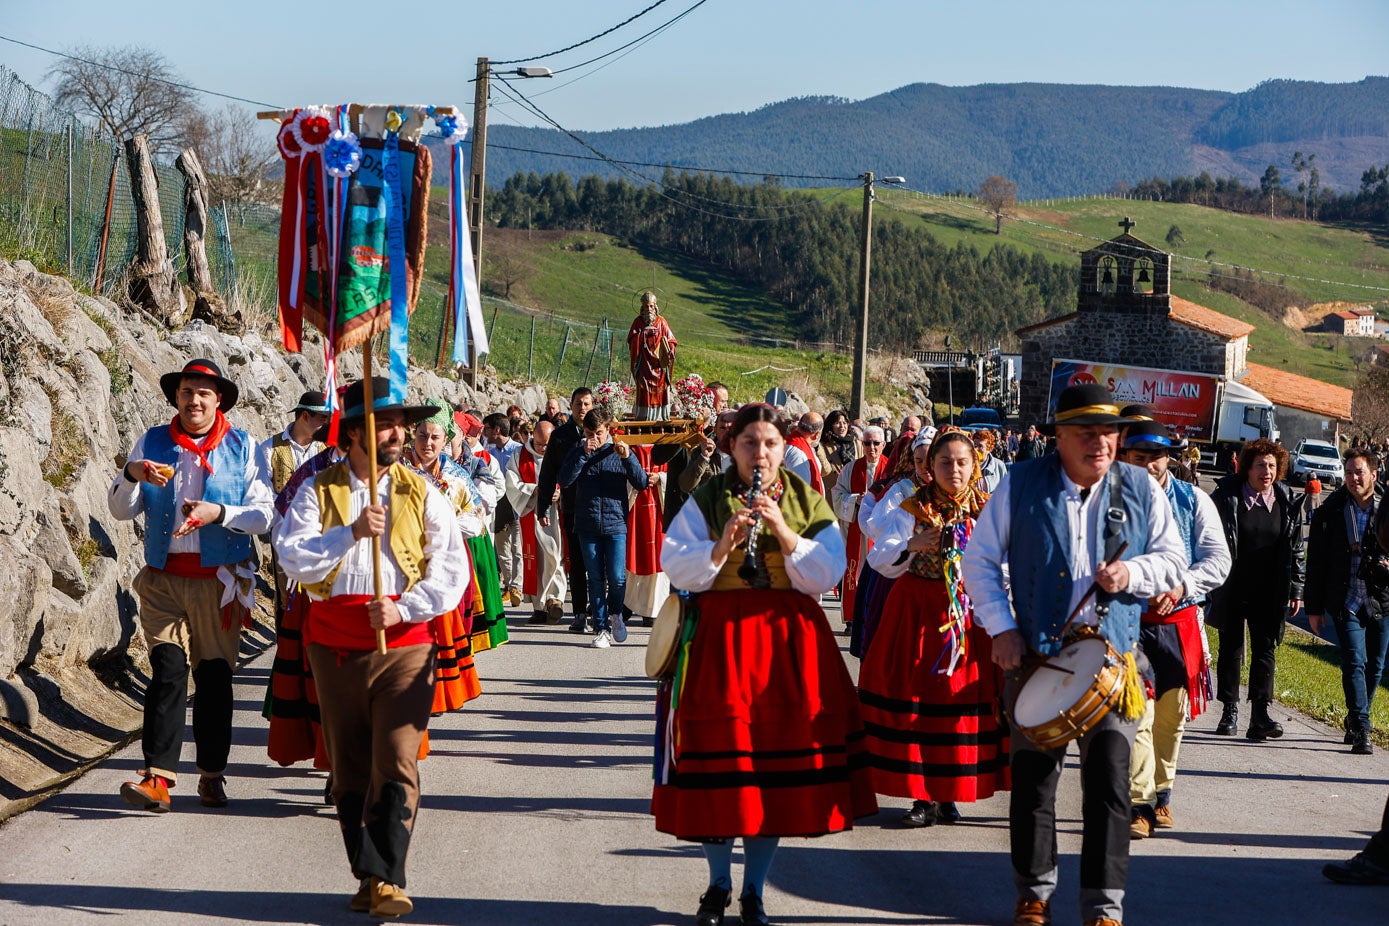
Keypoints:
pixel 566 436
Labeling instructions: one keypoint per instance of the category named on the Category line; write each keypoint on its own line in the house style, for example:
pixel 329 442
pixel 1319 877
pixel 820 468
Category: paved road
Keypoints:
pixel 535 813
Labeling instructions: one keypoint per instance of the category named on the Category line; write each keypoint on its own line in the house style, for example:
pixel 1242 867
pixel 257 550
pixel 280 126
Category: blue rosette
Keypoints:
pixel 342 154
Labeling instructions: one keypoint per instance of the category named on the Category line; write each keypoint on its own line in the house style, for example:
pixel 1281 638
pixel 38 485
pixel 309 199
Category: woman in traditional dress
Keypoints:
pixel 928 684
pixel 457 676
pixel 912 470
pixel 849 488
pixel 759 733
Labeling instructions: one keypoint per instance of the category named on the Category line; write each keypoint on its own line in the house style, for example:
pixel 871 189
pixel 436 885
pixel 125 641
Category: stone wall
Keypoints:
pixel 1129 339
pixel 1296 425
pixel 78 384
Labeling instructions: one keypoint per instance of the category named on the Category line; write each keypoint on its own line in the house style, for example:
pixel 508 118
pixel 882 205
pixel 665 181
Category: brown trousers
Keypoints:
pixel 375 710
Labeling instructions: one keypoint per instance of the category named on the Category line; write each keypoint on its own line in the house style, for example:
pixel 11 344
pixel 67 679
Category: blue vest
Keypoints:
pixel 1182 495
pixel 226 486
pixel 1039 552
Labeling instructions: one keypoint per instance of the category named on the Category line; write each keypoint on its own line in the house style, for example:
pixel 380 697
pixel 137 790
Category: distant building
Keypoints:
pixel 1126 315
pixel 1353 323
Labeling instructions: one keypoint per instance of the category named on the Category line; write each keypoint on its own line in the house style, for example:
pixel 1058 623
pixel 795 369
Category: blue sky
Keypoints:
pixel 726 56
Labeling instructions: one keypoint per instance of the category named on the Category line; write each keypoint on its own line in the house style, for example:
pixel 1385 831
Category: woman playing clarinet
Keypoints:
pixel 928 684
pixel 759 732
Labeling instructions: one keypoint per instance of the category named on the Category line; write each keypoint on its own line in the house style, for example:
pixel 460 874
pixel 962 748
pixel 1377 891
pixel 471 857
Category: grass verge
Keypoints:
pixel 1308 679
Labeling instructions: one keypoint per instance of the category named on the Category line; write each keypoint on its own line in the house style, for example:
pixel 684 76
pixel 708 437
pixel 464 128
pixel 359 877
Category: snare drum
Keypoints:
pixel 1063 696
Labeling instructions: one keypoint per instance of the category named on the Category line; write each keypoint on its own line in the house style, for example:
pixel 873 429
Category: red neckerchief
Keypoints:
pixel 220 427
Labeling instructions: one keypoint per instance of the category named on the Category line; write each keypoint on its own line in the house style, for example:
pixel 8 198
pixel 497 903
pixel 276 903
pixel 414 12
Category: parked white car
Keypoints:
pixel 1321 458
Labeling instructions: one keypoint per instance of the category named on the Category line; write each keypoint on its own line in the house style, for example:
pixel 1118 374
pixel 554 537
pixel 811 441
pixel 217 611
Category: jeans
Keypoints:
pixel 1363 642
pixel 605 559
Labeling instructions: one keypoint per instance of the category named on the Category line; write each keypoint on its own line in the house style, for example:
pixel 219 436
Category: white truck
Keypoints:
pixel 1209 410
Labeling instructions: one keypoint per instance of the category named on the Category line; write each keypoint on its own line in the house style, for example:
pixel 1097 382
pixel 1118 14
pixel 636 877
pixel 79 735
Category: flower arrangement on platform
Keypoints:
pixel 613 397
pixel 693 399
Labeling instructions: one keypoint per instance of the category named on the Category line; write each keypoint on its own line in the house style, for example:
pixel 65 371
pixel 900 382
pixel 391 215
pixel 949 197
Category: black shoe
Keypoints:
pixel 923 813
pixel 579 624
pixel 648 622
pixel 1229 721
pixel 537 617
pixel 1350 738
pixel 1361 746
pixel 750 910
pixel 1359 870
pixel 712 903
pixel 948 812
pixel 328 790
pixel 1263 728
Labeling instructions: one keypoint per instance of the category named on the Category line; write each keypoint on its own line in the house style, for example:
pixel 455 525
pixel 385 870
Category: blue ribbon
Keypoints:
pixel 395 240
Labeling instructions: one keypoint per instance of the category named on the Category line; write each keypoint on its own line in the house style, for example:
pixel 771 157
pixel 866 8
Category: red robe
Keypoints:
pixel 644 533
pixel 652 352
pixel 858 485
pixel 530 559
pixel 802 442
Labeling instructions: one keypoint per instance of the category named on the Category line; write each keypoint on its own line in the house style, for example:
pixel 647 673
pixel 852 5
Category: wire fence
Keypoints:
pixel 66 206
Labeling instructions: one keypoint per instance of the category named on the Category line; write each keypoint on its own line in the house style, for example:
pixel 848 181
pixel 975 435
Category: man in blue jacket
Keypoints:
pixel 1060 525
pixel 599 470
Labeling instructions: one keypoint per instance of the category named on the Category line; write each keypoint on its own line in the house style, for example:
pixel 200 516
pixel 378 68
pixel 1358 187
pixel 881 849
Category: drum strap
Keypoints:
pixel 1114 520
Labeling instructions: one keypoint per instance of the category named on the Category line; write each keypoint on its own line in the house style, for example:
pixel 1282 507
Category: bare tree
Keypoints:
pixel 998 195
pixel 237 156
pixel 130 91
pixel 1369 404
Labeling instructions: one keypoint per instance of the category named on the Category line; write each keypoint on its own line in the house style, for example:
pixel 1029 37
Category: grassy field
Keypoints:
pixel 1308 679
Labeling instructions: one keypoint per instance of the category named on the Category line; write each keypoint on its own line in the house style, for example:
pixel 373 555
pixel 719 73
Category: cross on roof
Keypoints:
pixel 1127 224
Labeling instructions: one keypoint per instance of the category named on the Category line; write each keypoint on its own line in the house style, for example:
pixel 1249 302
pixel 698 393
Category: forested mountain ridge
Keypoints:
pixel 1050 139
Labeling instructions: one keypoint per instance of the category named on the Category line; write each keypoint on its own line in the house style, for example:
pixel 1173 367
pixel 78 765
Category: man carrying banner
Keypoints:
pixel 375 708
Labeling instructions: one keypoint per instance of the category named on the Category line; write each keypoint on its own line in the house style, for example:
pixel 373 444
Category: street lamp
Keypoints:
pixel 856 399
pixel 478 179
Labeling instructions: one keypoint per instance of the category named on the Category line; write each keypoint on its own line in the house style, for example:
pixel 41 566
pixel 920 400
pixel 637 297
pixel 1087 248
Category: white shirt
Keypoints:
pixel 814 567
pixel 490 483
pixel 302 453
pixel 1160 569
pixel 1212 564
pixel 307 553
pixel 252 516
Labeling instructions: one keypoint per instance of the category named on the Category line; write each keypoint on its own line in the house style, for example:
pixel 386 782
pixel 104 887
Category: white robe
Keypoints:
pixel 551 583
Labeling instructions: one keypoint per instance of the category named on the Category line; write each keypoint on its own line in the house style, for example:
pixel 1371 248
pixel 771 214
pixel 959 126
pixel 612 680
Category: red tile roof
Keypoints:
pixel 1300 392
pixel 1348 316
pixel 1204 319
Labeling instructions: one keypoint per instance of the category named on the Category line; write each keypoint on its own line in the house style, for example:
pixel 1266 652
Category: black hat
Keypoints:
pixel 204 368
pixel 1137 413
pixel 312 402
pixel 1088 403
pixel 354 404
pixel 1150 435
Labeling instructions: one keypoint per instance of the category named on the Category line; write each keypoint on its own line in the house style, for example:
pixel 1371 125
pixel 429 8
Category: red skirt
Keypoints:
pixel 767 735
pixel 296 731
pixel 455 676
pixel 931 737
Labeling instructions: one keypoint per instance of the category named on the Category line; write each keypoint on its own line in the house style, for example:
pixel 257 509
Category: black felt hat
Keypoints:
pixel 354 406
pixel 1137 412
pixel 312 402
pixel 1150 435
pixel 206 369
pixel 1087 403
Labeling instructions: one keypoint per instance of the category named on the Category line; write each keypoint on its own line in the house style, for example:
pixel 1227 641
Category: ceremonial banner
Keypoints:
pixel 1185 402
pixel 365 269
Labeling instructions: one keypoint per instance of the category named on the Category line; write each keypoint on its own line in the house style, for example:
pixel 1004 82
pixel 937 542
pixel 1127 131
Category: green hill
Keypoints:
pixel 1313 262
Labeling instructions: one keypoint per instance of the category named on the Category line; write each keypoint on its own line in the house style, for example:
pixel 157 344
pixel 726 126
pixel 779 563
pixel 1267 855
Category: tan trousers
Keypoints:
pixel 375 710
pixel 186 613
pixel 1153 767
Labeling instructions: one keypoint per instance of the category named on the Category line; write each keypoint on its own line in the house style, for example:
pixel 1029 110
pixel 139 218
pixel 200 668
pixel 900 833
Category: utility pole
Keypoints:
pixel 856 399
pixel 477 166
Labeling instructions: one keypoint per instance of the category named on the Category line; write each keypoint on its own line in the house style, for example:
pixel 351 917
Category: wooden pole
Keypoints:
pixel 152 281
pixel 369 403
pixel 477 168
pixel 106 223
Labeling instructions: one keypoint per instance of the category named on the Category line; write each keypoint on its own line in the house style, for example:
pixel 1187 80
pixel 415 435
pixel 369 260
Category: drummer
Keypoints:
pixel 1058 523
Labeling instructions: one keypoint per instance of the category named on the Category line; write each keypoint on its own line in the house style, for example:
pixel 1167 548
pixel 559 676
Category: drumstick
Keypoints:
pixel 1094 587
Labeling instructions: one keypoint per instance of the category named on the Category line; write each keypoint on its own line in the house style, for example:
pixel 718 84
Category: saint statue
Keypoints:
pixel 652 348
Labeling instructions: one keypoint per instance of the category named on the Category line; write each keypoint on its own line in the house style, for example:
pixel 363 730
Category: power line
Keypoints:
pixel 665 191
pixel 704 170
pixel 663 26
pixel 120 70
pixel 592 38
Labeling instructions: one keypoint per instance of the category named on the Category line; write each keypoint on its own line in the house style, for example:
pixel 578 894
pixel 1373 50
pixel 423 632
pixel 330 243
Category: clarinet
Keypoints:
pixel 752 571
